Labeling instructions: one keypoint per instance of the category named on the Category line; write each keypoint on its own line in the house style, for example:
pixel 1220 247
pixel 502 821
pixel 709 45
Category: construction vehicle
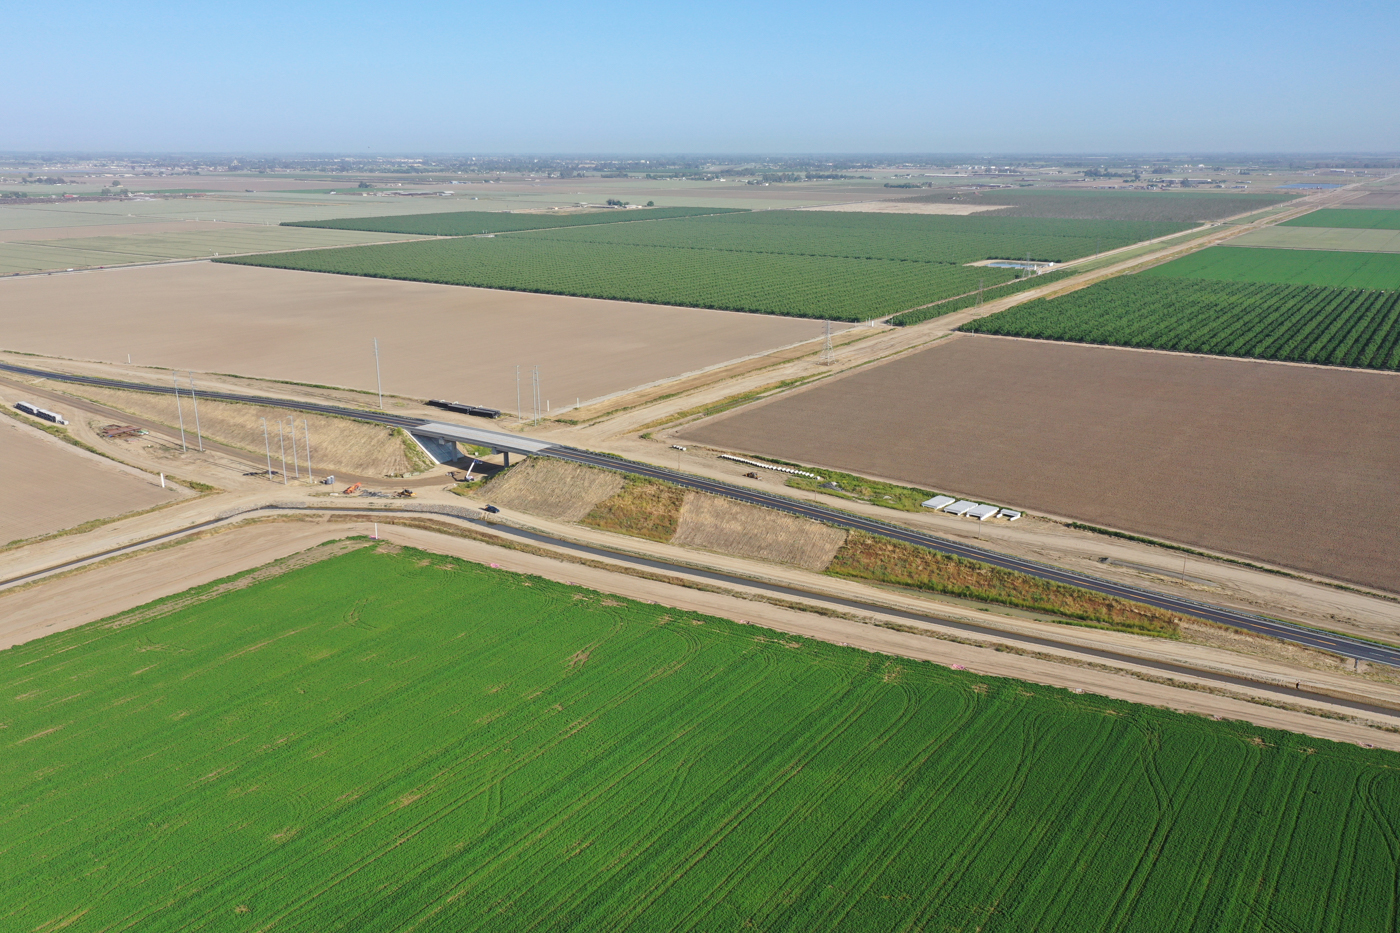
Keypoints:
pixel 404 494
pixel 351 490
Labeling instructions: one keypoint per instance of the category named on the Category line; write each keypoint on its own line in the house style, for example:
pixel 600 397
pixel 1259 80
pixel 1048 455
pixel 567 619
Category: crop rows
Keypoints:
pixel 1352 218
pixel 769 283
pixel 1285 267
pixel 964 241
pixel 393 742
pixel 1302 323
pixel 919 315
pixel 469 223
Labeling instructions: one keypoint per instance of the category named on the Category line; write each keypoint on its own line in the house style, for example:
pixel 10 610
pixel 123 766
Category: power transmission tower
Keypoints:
pixel 828 354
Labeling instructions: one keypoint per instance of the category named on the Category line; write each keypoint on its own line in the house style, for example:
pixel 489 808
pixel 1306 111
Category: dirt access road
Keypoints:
pixel 84 597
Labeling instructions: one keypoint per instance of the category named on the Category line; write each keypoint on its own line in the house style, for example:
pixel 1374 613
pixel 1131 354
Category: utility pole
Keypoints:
pixel 537 393
pixel 283 444
pixel 267 447
pixel 176 382
pixel 197 432
pixel 379 382
pixel 295 467
pixel 307 428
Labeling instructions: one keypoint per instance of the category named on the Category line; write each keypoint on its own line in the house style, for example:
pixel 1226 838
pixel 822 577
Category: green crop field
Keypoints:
pixel 395 742
pixel 913 237
pixel 1348 218
pixel 1303 323
pixel 468 223
pixel 971 301
pixel 1285 266
pixel 835 288
pixel 1183 207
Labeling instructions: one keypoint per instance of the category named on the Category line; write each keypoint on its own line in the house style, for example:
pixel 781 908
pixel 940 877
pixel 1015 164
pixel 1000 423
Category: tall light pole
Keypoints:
pixel 379 382
pixel 180 410
pixel 197 432
pixel 267 447
pixel 519 411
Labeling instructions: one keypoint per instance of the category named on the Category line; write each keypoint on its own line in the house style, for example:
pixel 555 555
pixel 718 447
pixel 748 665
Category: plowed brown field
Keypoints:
pixel 435 341
pixel 1291 465
pixel 47 485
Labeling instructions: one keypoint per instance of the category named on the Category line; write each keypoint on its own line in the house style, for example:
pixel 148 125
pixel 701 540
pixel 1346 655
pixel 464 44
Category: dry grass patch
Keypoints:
pixel 337 444
pixel 642 508
pixel 553 488
pixel 867 557
pixel 719 524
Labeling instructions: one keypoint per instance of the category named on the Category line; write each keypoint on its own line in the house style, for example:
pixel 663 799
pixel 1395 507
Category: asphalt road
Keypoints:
pixel 1286 631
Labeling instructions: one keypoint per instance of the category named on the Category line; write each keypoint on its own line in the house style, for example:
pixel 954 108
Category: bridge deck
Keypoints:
pixel 482 437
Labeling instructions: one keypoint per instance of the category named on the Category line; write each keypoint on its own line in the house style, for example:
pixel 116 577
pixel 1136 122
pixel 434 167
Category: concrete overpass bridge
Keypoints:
pixel 439 440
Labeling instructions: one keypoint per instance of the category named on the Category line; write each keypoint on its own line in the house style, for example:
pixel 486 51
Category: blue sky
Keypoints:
pixel 725 77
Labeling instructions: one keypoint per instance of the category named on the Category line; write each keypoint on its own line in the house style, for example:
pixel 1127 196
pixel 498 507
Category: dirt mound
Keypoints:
pixel 553 488
pixel 719 524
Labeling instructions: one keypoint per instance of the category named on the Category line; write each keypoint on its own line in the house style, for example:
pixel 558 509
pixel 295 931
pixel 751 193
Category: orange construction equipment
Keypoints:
pixel 353 489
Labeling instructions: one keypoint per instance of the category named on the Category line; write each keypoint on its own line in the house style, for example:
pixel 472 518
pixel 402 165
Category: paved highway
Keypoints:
pixel 1287 631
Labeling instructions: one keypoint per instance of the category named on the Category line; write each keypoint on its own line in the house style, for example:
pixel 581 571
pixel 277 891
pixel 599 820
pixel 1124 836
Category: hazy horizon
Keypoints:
pixel 784 78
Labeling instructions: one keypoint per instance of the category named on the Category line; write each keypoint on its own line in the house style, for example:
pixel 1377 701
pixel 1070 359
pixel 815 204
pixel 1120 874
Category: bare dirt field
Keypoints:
pixel 1385 197
pixel 436 341
pixel 1292 465
pixel 112 229
pixel 47 485
pixel 908 207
